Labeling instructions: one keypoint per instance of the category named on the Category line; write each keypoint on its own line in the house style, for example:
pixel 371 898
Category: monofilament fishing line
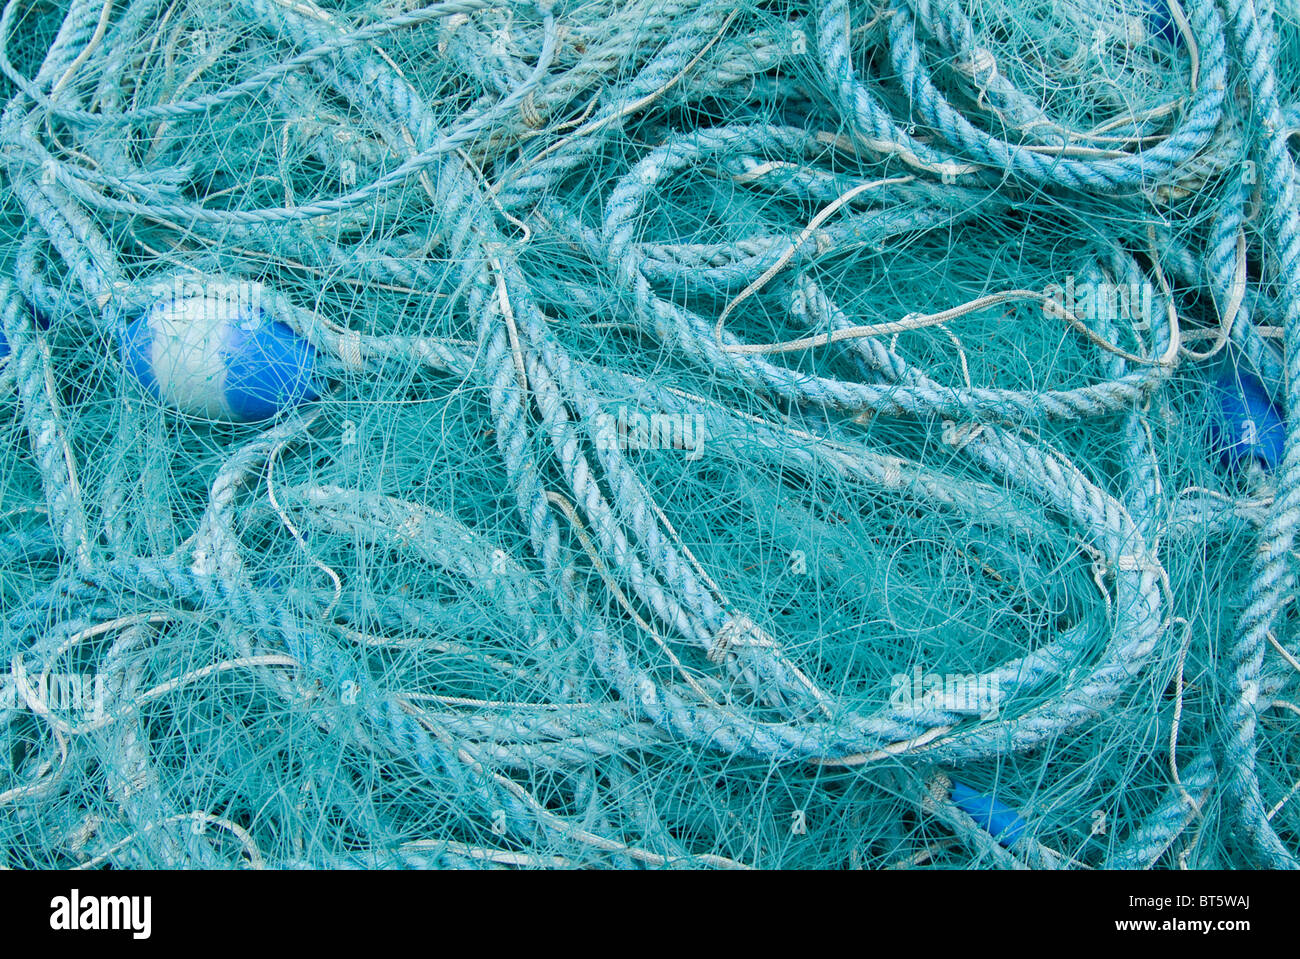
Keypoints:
pixel 629 433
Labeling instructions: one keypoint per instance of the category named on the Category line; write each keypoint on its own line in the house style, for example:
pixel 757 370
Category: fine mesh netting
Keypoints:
pixel 649 433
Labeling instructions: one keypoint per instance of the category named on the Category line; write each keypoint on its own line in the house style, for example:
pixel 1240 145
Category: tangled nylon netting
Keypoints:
pixel 649 433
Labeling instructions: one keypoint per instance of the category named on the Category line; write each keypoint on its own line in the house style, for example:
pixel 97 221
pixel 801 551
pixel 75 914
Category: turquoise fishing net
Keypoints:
pixel 779 435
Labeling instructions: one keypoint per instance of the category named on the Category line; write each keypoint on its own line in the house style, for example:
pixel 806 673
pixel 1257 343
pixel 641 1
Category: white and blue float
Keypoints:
pixel 214 349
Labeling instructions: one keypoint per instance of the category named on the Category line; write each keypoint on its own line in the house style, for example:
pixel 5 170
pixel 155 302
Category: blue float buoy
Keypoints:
pixel 1245 424
pixel 213 349
pixel 997 819
pixel 1160 21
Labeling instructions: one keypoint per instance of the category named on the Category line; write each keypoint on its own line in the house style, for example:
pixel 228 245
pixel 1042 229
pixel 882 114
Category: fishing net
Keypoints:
pixel 642 433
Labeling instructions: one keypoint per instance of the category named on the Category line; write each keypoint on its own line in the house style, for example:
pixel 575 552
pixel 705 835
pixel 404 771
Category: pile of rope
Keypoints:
pixel 653 433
